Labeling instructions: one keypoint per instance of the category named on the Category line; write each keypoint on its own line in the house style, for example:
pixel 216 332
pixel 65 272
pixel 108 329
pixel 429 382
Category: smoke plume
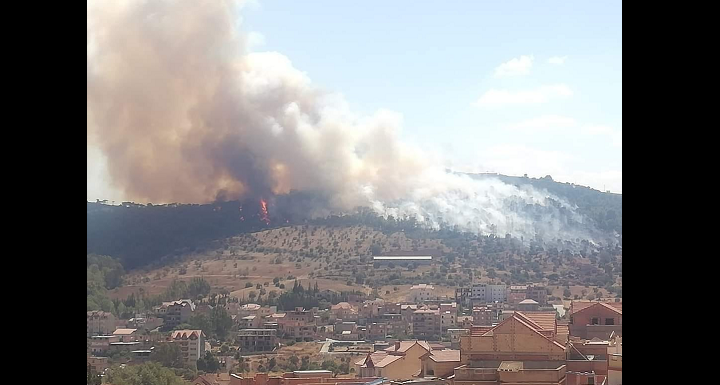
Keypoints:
pixel 184 113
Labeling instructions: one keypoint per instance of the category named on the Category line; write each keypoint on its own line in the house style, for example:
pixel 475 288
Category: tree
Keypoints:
pixel 169 355
pixel 252 294
pixel 221 322
pixel 200 321
pixel 198 286
pixel 149 373
pixel 208 363
pixel 271 364
pixel 567 293
pixel 294 362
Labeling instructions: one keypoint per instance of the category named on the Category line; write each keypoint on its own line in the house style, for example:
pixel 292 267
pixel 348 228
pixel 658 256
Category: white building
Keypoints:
pixel 489 293
pixel 421 292
pixel 192 344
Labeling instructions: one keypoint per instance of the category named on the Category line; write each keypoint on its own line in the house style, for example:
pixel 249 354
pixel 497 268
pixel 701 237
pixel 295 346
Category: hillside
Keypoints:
pixel 604 208
pixel 339 259
pixel 141 235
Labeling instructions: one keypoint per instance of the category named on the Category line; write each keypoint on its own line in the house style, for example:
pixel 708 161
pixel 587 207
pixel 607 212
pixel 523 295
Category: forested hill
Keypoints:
pixel 143 234
pixel 603 207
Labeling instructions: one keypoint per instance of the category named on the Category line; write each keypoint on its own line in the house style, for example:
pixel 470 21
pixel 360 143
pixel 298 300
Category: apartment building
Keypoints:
pixel 257 340
pixel 192 344
pixel 483 292
pixel 175 313
pixel 426 324
pixel 422 292
pixel 298 324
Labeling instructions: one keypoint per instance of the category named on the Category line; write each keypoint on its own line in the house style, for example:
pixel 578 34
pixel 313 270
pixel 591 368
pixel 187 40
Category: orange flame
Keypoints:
pixel 264 212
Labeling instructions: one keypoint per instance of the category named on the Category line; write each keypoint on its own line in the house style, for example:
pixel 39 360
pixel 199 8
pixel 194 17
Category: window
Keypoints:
pixel 595 321
pixel 609 321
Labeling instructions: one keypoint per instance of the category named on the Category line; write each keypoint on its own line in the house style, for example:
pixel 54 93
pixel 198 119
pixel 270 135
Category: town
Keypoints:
pixel 485 334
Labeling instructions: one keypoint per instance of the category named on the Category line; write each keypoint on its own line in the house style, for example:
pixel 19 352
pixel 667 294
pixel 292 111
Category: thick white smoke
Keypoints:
pixel 184 113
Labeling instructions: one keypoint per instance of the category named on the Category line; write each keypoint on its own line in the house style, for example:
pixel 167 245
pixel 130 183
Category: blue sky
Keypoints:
pixel 433 61
pixel 505 86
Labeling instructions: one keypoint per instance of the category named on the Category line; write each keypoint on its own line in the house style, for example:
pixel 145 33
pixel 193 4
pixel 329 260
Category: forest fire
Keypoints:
pixel 264 212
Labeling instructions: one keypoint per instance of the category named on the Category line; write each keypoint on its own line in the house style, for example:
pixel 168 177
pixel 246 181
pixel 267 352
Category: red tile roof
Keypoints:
pixel 544 320
pixel 576 306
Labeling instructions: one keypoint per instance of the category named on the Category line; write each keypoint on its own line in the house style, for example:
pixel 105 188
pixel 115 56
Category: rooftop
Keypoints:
pixel 124 332
pixel 446 355
pixel 186 334
pixel 528 302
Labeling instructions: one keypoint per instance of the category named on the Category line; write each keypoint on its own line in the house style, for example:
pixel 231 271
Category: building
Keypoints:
pixel 452 307
pixel 521 349
pixel 463 294
pixel 344 311
pixel 101 344
pixel 537 293
pixel 448 319
pixel 440 363
pixel 516 293
pixel 455 335
pixel 396 325
pixel 376 331
pixel 298 324
pixel 192 344
pixel 528 305
pixel 464 322
pixel 371 309
pixel 427 324
pixel 97 365
pixel 126 335
pixel 587 360
pixel 100 323
pixel 614 376
pixel 486 315
pixel 250 322
pixel 175 313
pixel 590 320
pixel 422 292
pixel 483 292
pixel 257 340
pixel 400 361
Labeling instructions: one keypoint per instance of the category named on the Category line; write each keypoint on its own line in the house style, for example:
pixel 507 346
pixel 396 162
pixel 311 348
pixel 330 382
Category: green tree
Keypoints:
pixel 169 355
pixel 149 373
pixel 208 363
pixel 198 286
pixel 221 322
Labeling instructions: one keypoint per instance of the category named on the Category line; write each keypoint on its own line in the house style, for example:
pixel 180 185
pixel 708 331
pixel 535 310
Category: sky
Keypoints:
pixel 514 87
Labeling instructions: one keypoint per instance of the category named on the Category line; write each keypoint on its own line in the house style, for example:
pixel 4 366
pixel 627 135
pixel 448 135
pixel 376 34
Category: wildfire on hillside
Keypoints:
pixel 264 212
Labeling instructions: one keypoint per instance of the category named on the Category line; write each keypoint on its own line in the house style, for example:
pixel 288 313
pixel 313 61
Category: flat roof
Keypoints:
pixel 402 258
